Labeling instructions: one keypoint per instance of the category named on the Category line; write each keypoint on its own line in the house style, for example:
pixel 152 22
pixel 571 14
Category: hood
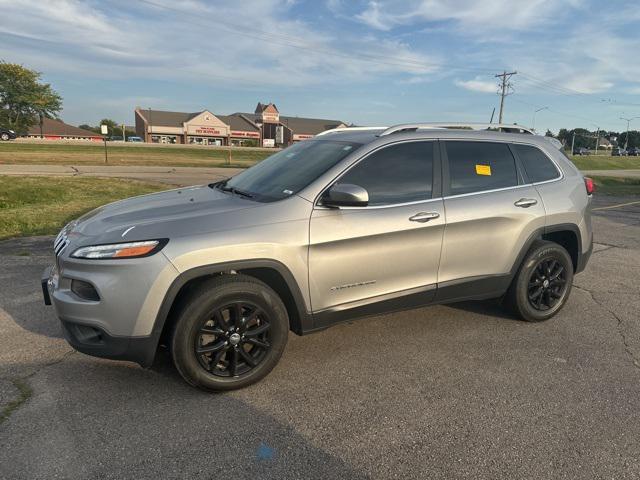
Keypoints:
pixel 157 215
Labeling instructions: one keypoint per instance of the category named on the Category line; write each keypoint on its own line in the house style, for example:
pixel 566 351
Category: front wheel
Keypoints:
pixel 4 137
pixel 230 333
pixel 543 283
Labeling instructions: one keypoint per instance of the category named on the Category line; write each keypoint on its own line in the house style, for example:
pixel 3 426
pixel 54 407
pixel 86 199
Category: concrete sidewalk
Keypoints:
pixel 179 176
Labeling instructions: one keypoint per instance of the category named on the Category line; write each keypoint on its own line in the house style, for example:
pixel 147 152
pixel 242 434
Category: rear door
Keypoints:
pixel 491 213
pixel 361 255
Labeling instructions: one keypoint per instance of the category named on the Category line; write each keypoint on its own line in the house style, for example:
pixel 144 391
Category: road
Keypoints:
pixel 181 176
pixel 613 173
pixel 460 391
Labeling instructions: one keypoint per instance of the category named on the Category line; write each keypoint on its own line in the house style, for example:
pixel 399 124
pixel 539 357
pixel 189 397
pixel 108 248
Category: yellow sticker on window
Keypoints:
pixel 483 169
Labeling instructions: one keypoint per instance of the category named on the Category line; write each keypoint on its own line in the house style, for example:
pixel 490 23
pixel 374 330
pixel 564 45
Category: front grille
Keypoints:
pixel 61 242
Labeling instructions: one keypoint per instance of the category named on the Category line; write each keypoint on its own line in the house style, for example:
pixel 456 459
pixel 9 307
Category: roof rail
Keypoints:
pixel 461 126
pixel 349 129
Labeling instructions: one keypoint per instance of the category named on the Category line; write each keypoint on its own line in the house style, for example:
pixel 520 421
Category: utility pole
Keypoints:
pixel 504 89
pixel 626 140
pixel 124 139
pixel 573 141
pixel 597 139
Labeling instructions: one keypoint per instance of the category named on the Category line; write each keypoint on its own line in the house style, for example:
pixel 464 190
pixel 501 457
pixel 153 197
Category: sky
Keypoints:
pixel 378 62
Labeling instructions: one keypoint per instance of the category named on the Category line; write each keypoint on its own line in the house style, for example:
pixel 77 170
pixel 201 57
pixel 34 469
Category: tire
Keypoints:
pixel 224 325
pixel 543 282
pixel 4 137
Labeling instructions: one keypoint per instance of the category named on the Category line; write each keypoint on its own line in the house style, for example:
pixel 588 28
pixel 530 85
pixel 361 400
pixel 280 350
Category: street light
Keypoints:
pixel 533 123
pixel 628 120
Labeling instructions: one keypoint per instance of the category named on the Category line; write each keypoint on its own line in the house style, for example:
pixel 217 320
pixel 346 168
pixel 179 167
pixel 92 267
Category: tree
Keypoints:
pixel 548 133
pixel 24 99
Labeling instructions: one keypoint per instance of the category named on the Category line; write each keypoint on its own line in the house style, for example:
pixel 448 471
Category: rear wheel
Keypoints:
pixel 543 283
pixel 230 333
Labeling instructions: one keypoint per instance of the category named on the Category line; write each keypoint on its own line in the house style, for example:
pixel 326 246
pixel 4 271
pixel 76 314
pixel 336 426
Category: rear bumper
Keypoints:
pixel 96 342
pixel 583 259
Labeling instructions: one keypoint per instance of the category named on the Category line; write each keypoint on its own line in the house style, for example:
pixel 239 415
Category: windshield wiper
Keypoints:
pixel 223 186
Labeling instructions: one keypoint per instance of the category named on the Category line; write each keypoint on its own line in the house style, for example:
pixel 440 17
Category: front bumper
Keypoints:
pixel 95 341
pixel 98 343
pixel 120 324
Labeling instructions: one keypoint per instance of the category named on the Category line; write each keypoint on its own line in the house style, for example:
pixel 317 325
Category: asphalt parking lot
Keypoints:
pixel 460 391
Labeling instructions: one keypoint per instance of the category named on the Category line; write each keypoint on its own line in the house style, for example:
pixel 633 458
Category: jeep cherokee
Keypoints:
pixel 354 222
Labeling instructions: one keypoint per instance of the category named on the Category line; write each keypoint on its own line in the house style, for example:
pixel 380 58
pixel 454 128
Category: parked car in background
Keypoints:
pixel 581 151
pixel 634 152
pixel 355 222
pixel 618 152
pixel 6 134
pixel 134 139
pixel 116 138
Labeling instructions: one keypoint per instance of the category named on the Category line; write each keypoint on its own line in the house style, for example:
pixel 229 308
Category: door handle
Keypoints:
pixel 423 217
pixel 526 202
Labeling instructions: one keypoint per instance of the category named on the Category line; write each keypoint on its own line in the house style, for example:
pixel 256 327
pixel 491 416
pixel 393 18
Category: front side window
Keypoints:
pixel 399 173
pixel 538 166
pixel 290 170
pixel 480 166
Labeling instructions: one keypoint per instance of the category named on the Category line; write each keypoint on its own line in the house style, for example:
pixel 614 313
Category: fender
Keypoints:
pixel 300 325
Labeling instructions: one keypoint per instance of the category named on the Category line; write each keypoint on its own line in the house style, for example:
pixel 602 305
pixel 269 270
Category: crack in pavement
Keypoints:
pixel 627 347
pixel 24 389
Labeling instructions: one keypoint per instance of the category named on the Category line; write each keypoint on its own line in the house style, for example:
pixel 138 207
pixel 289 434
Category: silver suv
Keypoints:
pixel 354 222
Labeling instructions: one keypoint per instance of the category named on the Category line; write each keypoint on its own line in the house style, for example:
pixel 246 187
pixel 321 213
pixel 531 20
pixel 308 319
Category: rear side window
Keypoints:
pixel 399 173
pixel 538 166
pixel 480 166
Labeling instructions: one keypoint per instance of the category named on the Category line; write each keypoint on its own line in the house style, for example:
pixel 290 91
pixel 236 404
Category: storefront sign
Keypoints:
pixel 301 136
pixel 244 134
pixel 208 131
pixel 270 117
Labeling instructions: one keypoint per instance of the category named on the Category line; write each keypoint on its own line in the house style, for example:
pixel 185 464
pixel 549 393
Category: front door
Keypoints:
pixel 391 248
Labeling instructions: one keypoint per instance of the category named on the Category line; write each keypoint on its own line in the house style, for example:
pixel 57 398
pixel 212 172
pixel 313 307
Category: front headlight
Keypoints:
pixel 120 250
pixel 11 131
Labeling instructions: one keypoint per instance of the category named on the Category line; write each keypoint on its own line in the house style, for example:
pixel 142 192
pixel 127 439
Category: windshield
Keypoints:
pixel 290 170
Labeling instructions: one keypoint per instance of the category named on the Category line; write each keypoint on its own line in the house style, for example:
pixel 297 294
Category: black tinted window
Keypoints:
pixel 537 165
pixel 478 166
pixel 396 174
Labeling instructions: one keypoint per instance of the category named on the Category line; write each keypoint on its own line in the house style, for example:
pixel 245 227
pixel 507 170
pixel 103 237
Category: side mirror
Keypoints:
pixel 345 195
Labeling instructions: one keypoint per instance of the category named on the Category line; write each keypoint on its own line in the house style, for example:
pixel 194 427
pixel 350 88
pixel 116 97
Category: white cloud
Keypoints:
pixel 477 85
pixel 375 18
pixel 186 40
pixel 470 16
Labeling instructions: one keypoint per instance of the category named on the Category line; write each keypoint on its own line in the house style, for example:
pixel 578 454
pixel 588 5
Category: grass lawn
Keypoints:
pixel 43 205
pixel 617 186
pixel 127 154
pixel 602 162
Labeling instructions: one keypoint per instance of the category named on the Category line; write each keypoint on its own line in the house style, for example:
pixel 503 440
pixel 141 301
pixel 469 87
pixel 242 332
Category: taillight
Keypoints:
pixel 591 187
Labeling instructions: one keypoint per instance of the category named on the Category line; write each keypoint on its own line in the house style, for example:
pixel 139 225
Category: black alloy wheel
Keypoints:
pixel 234 340
pixel 547 284
pixel 228 332
pixel 543 282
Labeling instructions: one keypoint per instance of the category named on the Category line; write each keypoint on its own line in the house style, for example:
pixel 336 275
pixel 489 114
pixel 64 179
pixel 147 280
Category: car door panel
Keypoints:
pixel 365 254
pixel 356 254
pixel 484 232
pixel 492 215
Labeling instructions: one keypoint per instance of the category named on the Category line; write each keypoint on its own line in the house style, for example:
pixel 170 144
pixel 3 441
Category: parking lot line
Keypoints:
pixel 616 206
